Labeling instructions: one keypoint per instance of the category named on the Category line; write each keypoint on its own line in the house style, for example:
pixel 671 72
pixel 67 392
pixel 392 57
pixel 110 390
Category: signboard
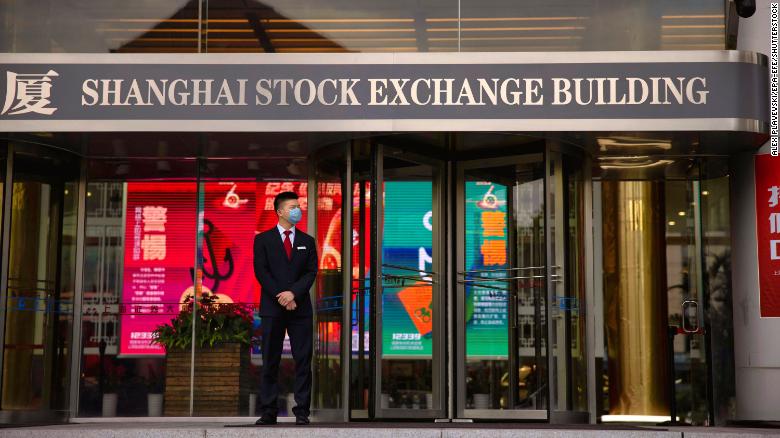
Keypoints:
pixel 768 233
pixel 591 91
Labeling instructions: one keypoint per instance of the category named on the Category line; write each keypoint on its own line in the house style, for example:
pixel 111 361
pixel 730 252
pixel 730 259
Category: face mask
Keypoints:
pixel 295 215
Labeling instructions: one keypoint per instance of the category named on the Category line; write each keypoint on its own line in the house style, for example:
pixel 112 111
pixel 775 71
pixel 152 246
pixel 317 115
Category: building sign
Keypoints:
pixel 768 233
pixel 367 92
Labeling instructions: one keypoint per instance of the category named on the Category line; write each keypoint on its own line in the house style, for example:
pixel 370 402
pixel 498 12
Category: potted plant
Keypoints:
pixel 154 397
pixel 111 388
pixel 222 339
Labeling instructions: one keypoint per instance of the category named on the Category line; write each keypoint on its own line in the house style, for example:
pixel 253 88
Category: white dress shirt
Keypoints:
pixel 282 230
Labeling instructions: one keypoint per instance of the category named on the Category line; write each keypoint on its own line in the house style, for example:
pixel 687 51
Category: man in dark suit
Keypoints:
pixel 285 262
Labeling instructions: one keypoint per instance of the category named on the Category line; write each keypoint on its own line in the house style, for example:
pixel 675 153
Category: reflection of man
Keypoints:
pixel 285 265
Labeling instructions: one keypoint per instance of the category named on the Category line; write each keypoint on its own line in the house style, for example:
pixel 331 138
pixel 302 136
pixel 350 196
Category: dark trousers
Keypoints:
pixel 300 332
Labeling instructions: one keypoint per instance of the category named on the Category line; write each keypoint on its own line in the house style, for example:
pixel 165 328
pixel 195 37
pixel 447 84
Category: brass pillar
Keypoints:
pixel 31 326
pixel 635 298
pixel 21 326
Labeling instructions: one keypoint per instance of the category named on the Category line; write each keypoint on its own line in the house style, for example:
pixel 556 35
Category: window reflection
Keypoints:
pixel 38 307
pixel 139 247
pixel 328 26
pixel 690 231
pixel 112 26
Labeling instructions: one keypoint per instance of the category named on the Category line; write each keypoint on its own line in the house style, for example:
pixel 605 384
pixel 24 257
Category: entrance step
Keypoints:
pixel 374 430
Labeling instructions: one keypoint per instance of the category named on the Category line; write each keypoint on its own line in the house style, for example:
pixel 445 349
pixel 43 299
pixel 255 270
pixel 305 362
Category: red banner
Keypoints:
pixel 160 224
pixel 768 233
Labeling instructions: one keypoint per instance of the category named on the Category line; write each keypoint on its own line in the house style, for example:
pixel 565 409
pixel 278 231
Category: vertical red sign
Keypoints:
pixel 160 225
pixel 768 233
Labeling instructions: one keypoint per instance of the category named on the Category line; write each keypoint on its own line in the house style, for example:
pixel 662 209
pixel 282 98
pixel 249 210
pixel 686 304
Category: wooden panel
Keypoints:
pixel 222 381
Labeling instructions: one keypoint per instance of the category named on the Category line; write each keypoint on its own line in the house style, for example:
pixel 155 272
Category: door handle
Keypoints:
pixel 478 271
pixel 406 268
pixel 690 316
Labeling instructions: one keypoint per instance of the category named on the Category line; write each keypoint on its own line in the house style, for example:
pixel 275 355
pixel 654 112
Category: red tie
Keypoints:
pixel 288 244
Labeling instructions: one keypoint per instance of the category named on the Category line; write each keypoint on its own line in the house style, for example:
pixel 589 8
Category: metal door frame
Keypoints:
pixel 555 193
pixel 345 342
pixel 357 412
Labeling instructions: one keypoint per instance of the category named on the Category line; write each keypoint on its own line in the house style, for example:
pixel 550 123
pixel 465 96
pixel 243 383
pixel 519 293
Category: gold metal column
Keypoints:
pixel 29 270
pixel 635 301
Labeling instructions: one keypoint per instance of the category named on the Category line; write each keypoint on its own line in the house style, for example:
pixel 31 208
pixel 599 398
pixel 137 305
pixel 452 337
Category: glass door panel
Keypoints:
pixel 41 277
pixel 407 317
pixel 329 177
pixel 686 290
pixel 139 247
pixel 360 376
pixel 568 364
pixel 501 288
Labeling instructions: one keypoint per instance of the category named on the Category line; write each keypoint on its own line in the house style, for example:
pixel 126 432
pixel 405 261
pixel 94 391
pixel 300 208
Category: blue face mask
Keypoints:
pixel 295 215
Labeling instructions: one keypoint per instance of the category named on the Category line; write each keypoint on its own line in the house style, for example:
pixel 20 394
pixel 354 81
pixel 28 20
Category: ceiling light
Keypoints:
pixel 636 162
pixel 607 143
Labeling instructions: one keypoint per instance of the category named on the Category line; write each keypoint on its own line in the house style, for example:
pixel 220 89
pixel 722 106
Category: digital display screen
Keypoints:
pixel 407 313
pixel 160 225
pixel 159 253
pixel 486 257
pixel 160 234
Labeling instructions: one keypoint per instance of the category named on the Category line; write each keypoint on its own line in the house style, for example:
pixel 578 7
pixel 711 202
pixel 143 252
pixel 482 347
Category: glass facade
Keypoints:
pixel 118 367
pixel 328 26
pixel 456 270
pixel 159 227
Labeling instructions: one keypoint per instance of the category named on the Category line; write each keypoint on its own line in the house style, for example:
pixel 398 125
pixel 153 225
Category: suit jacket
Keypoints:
pixel 276 273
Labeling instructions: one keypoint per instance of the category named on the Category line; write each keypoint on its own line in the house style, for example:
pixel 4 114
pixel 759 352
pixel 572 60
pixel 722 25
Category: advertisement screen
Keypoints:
pixel 159 253
pixel 486 251
pixel 160 235
pixel 160 225
pixel 406 255
pixel 407 313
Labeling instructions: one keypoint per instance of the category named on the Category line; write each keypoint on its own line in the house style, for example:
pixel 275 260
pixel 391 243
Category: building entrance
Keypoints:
pixel 462 273
pixel 502 288
pixel 477 276
pixel 38 279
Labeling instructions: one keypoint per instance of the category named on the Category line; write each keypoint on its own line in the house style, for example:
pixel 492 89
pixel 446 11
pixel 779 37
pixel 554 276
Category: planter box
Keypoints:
pixel 222 381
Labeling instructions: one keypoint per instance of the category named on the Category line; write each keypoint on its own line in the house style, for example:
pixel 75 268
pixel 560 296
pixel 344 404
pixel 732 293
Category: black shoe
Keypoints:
pixel 266 420
pixel 301 420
